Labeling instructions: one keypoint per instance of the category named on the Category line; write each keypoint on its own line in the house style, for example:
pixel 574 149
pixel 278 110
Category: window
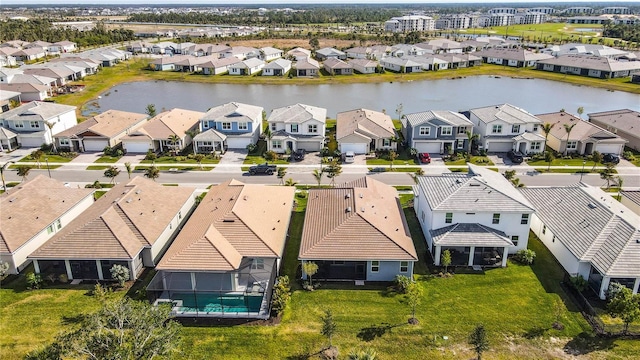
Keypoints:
pixel 64 142
pixel 404 266
pixel 313 129
pixel 50 229
pixel 446 130
pixel 19 124
pixel 514 240
pixel 535 127
pixel 257 264
pixel 205 124
pixel 544 229
pixel 276 144
pixel 572 145
pixel 461 130
pixel 422 216
pixel 170 226
pixel 243 126
pixel 34 124
pixel 226 126
pixel 515 129
pixel 496 129
pixel 554 239
pixel 536 145
pixel 274 127
pixel 386 142
pixel 294 128
pixel 179 215
pixel 425 130
pixel 460 144
pixel 448 218
pixel 58 224
pixel 496 219
pixel 524 219
pixel 375 266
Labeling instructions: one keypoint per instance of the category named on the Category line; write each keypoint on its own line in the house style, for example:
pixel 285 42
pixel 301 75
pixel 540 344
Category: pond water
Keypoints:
pixel 534 95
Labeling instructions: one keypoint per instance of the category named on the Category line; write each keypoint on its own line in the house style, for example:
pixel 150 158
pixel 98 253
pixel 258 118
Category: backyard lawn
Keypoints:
pixel 516 304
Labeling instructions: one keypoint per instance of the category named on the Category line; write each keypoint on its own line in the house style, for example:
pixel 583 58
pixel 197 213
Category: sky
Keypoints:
pixel 244 2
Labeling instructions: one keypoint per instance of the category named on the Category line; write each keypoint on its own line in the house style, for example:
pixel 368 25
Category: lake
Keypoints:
pixel 534 95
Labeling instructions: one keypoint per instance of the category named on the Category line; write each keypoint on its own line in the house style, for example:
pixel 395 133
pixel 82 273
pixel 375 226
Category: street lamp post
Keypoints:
pixel 2 169
pixel 582 172
pixel 46 160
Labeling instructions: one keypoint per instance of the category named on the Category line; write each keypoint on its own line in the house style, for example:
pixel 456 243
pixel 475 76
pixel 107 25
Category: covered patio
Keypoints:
pixel 8 140
pixel 471 244
pixel 529 143
pixel 209 141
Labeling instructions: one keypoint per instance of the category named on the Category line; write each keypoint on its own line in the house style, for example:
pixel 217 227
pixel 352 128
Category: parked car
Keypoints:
pixel 516 157
pixel 349 157
pixel 263 169
pixel 298 155
pixel 424 158
pixel 610 158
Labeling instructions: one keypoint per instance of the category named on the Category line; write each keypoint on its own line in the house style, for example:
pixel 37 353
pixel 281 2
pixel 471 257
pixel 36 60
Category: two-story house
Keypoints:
pixel 30 123
pixel 33 212
pixel 505 127
pixel 296 127
pixel 362 131
pixel 229 126
pixel 479 217
pixel 436 132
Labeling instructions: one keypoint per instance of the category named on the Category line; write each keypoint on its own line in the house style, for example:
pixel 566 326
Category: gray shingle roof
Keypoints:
pixel 298 113
pixel 36 111
pixel 505 112
pixel 438 118
pixel 234 111
pixel 592 225
pixel 470 235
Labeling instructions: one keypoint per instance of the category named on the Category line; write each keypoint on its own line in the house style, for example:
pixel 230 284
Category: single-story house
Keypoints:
pixel 224 261
pixel 631 199
pixel 330 53
pixel 166 63
pixel 624 123
pixel 511 57
pixel 400 65
pixel 592 66
pixel 599 239
pixel 585 137
pixel 335 66
pixel 307 67
pixel 156 133
pixel 190 64
pixel 246 67
pixel 28 92
pixel 218 66
pixel 29 54
pixel 357 231
pixel 61 75
pixel 363 131
pixel 32 213
pixel 6 97
pixel 278 67
pixel 269 53
pixel 364 66
pixel 100 131
pixel 131 225
pixel 298 54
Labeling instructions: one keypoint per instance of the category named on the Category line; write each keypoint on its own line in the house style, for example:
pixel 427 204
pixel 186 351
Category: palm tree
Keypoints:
pixel 580 112
pixel 150 110
pixel 198 158
pixel 127 166
pixel 597 158
pixel 37 156
pixel 50 125
pixel 111 173
pixel 470 137
pixel 568 129
pixel 607 174
pixel 152 173
pixel 290 182
pixel 546 129
pixel 281 174
pixel 392 156
pixel 317 174
pixel 620 182
pixel 174 140
pixel 548 157
pixel 23 170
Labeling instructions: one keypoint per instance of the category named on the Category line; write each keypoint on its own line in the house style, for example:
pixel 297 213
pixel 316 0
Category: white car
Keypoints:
pixel 349 157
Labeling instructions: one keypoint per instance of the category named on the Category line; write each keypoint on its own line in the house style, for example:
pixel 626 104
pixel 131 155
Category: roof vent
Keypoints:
pixel 592 206
pixel 347 196
pixel 474 184
pixel 138 191
pixel 362 209
pixel 228 220
pixel 348 209
pixel 361 196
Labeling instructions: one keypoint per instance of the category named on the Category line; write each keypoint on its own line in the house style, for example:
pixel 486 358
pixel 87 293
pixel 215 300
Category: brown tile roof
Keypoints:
pixel 31 207
pixel 624 120
pixel 582 130
pixel 361 220
pixel 120 224
pixel 172 122
pixel 369 123
pixel 232 221
pixel 108 124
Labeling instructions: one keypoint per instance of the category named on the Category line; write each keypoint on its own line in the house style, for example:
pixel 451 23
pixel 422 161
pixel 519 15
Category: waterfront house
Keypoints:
pixel 156 133
pixel 364 66
pixel 247 67
pixel 218 66
pixel 363 131
pixel 335 66
pixel 511 57
pixel 28 123
pixel 357 231
pixel 400 65
pixel 592 66
pixel 278 67
pixel 436 132
pixel 232 125
pixel 330 53
pixel 624 123
pixel 28 92
pixel 166 63
pixel 307 67
pixel 296 127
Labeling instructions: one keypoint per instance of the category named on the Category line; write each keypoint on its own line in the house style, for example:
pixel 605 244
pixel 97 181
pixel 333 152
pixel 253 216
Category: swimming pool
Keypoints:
pixel 218 303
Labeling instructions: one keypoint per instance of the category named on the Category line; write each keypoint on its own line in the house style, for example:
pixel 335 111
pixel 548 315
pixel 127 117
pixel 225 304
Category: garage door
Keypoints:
pixel 356 148
pixel 238 143
pixel 309 146
pixel 609 149
pixel 136 147
pixel 428 147
pixel 497 147
pixel 35 141
pixel 94 145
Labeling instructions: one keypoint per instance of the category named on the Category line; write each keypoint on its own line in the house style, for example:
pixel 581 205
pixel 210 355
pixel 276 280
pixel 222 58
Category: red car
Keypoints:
pixel 424 158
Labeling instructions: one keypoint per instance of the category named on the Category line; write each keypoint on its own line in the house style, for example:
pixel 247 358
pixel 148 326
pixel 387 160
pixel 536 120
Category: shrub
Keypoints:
pixel 251 148
pixel 34 281
pixel 579 283
pixel 628 155
pixel 119 273
pixel 68 155
pixel 63 278
pixel 525 256
pixel 270 155
pixel 281 294
pixel 401 283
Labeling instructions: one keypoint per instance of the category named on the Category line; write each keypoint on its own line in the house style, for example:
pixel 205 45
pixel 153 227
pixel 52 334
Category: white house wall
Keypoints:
pixel 568 261
pixel 163 241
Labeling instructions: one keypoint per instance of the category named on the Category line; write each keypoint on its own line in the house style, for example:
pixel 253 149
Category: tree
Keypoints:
pixel 470 138
pixel 399 110
pixel 328 326
pixel 281 174
pixel 414 296
pixel 151 155
pixel 607 173
pixel 174 140
pixel 198 158
pixel 152 173
pixel 549 157
pixel 111 173
pixel 310 268
pixel 23 171
pixel 580 112
pixel 317 174
pixel 546 129
pixel 367 354
pixel 314 43
pixel 333 171
pixel 50 126
pixel 119 273
pixel 150 110
pixel 568 129
pixel 129 169
pixel 392 157
pixel 37 156
pixel 623 304
pixel 446 259
pixel 478 338
pixel 290 182
pixel 620 182
pixel 281 294
pixel 597 158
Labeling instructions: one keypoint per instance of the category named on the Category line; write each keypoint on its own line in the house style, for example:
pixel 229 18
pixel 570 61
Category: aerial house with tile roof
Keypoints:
pixel 357 231
pixel 226 257
pixel 155 134
pixel 479 217
pixel 32 213
pixel 131 225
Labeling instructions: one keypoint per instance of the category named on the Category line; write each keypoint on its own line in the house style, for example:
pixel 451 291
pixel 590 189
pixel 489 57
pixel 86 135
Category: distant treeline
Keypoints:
pixel 43 29
pixel 323 15
pixel 625 32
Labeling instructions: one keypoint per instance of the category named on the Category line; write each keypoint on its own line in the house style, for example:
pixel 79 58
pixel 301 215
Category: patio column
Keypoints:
pixel 636 285
pixel 604 287
pixel 193 280
pixel 472 252
pixel 437 255
pixel 99 267
pixel 67 266
pixel 132 272
pixel 504 256
pixel 36 267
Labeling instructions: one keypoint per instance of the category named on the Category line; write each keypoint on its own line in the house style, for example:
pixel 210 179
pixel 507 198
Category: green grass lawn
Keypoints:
pixel 180 160
pixel 107 159
pixel 52 159
pixel 566 162
pixel 478 160
pixel 635 153
pixel 98 167
pixel 176 167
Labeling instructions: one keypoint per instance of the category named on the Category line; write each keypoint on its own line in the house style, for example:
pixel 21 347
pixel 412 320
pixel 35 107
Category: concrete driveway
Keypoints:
pixel 233 157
